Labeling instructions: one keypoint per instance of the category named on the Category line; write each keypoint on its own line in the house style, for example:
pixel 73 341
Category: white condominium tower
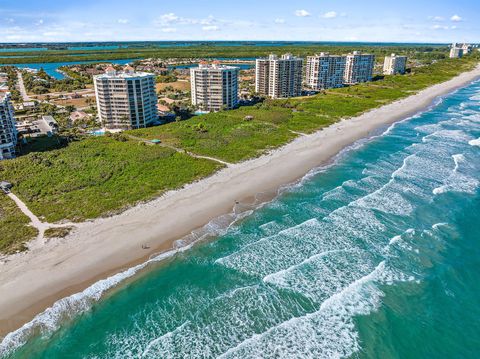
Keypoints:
pixel 467 48
pixel 359 68
pixel 279 77
pixel 324 71
pixel 394 65
pixel 214 86
pixel 458 50
pixel 8 132
pixel 126 100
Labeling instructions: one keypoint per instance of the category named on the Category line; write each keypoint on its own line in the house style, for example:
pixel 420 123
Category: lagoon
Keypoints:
pixel 51 68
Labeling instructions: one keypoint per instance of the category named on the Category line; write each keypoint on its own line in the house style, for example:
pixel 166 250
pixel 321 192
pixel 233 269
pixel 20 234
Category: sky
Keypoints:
pixel 437 21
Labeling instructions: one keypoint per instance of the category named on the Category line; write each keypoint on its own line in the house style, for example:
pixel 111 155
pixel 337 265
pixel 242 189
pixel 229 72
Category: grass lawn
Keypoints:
pixel 15 230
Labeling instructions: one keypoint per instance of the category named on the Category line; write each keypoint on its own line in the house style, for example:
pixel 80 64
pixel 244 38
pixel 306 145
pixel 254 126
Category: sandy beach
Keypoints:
pixel 32 281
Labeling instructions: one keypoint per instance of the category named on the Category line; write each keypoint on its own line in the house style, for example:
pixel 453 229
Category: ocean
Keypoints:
pixel 375 255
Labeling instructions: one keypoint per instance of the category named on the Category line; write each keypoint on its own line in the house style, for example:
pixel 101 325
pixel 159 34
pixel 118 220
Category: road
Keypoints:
pixel 21 87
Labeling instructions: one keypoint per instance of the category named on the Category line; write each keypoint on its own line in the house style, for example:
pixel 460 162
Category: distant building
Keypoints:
pixel 467 48
pixel 456 51
pixel 29 105
pixel 279 77
pixel 325 71
pixel 126 100
pixel 394 65
pixel 214 86
pixel 358 68
pixel 4 82
pixel 8 132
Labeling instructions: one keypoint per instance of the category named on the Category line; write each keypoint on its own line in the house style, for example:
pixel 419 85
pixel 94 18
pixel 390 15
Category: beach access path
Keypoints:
pixel 36 222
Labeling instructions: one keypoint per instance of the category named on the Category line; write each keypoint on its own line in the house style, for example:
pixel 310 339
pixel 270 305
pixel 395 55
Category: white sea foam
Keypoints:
pixel 287 248
pixel 65 308
pixel 475 142
pixel 230 318
pixel 283 256
pixel 457 181
pixel 320 276
pixel 69 307
pixel 326 333
pixel 475 98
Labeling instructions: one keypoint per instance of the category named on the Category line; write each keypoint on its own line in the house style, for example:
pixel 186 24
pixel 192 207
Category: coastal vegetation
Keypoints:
pixel 12 81
pixel 87 177
pixel 41 83
pixel 424 53
pixel 229 137
pixel 15 230
pixel 99 176
pixel 57 232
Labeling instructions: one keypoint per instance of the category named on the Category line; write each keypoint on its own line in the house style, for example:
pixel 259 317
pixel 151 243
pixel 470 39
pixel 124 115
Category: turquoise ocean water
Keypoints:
pixel 374 256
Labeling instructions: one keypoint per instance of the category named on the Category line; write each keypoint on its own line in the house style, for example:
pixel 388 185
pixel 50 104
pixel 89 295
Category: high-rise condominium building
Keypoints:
pixel 279 77
pixel 394 65
pixel 456 51
pixel 324 71
pixel 126 100
pixel 358 68
pixel 214 86
pixel 467 48
pixel 8 132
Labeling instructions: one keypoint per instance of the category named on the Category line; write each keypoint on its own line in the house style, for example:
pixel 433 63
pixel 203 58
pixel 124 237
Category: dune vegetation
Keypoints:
pixel 94 177
pixel 250 131
pixel 15 230
pixel 99 176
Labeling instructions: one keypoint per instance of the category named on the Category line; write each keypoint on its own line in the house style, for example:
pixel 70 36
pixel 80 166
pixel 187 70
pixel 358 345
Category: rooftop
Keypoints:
pixel 129 72
pixel 214 66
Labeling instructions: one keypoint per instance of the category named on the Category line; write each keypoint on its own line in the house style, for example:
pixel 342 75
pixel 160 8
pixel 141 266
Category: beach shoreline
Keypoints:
pixel 34 280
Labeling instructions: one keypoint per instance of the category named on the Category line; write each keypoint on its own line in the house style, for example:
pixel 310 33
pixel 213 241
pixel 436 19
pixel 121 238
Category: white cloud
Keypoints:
pixel 436 18
pixel 167 18
pixel 208 21
pixel 54 33
pixel 123 21
pixel 453 27
pixel 210 28
pixel 302 13
pixel 440 27
pixel 330 15
pixel 456 18
pixel 39 22
pixel 169 29
pixel 279 21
